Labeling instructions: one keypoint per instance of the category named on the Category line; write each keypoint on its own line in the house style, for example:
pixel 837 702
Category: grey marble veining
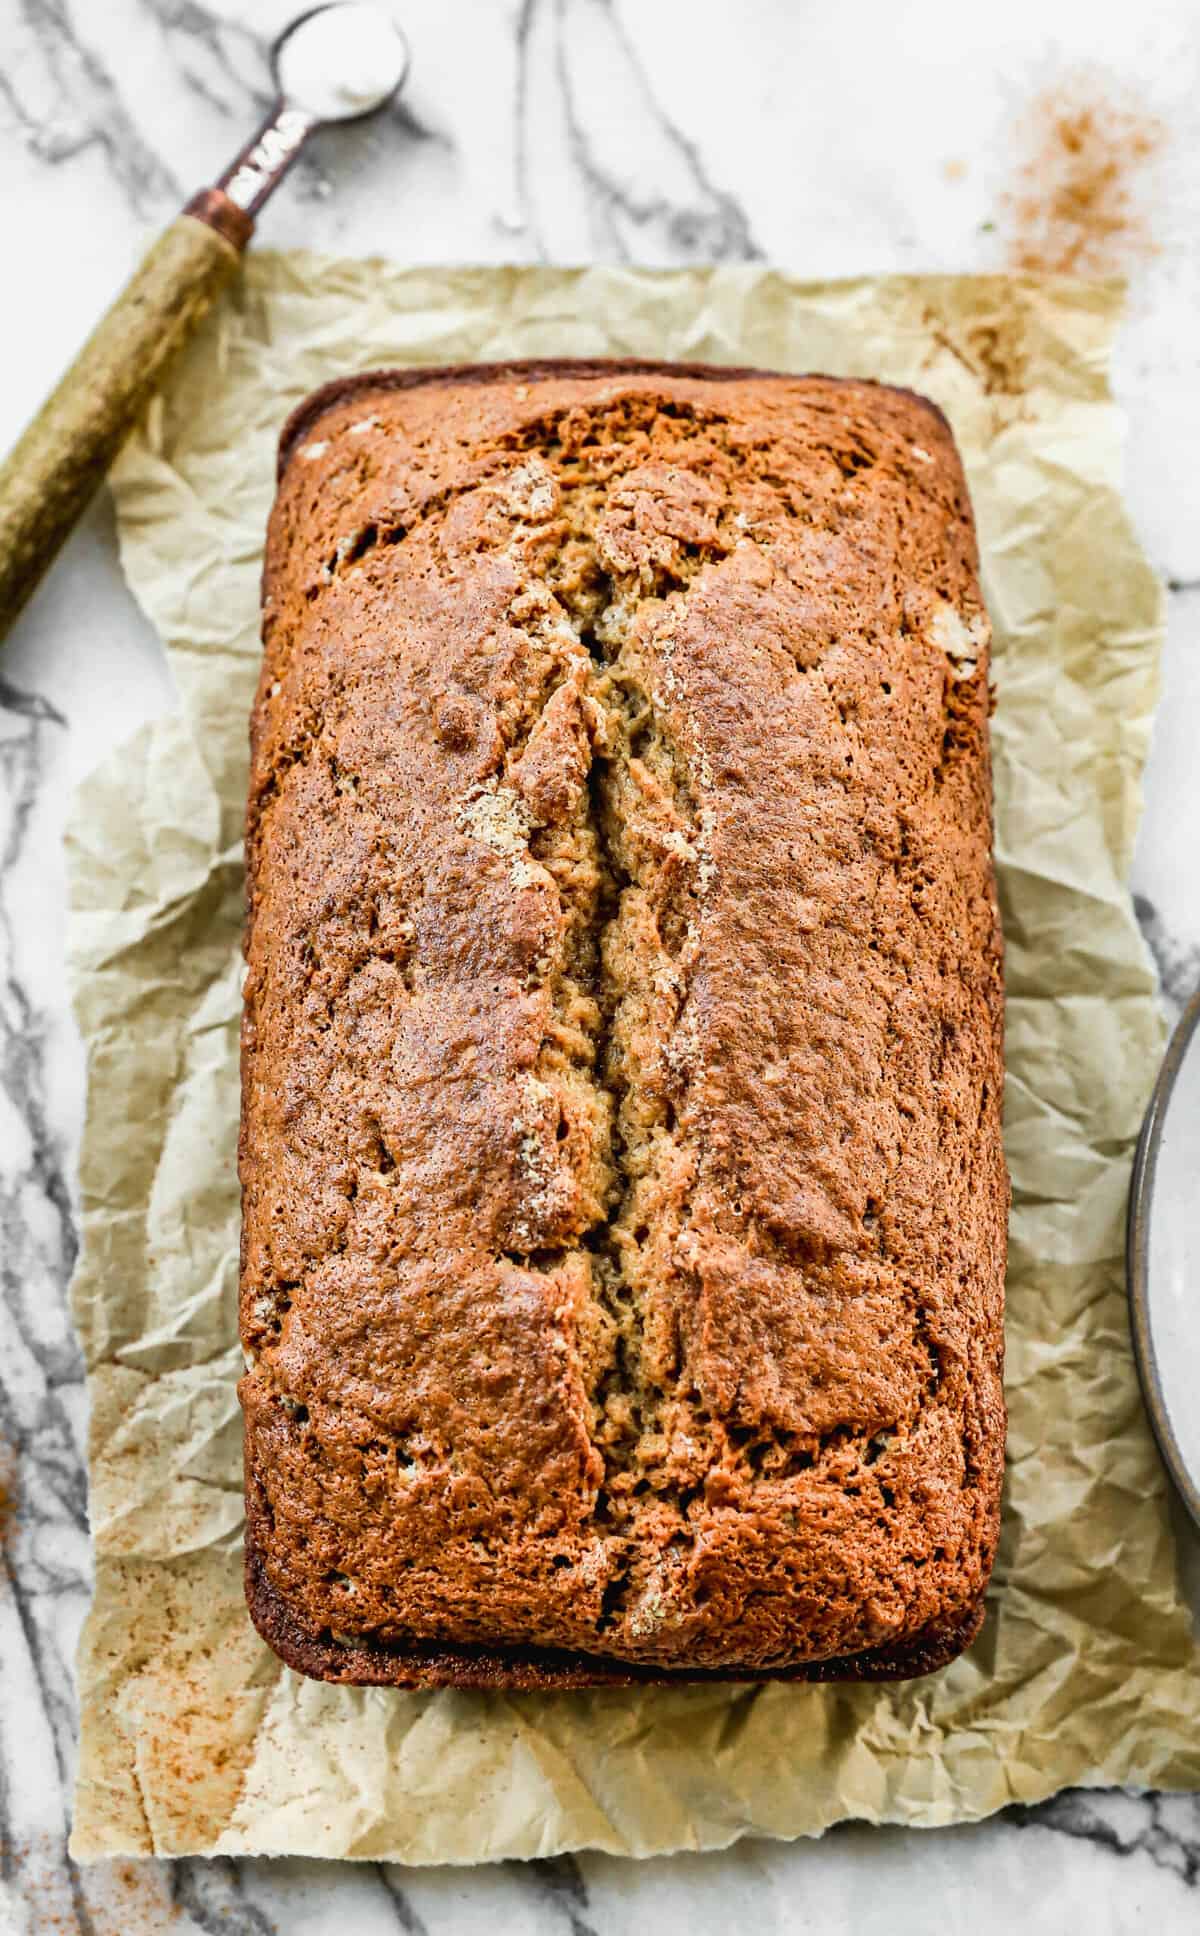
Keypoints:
pixel 635 187
pixel 560 130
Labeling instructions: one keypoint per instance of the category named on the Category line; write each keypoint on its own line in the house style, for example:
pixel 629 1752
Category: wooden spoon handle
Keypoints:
pixel 58 463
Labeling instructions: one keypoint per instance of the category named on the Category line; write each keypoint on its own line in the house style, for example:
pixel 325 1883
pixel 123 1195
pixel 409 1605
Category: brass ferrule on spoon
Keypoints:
pixel 337 63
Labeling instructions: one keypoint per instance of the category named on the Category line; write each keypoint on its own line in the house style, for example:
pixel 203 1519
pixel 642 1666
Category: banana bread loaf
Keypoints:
pixel 624 1200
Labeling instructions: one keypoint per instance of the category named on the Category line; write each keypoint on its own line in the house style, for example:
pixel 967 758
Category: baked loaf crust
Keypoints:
pixel 624 1204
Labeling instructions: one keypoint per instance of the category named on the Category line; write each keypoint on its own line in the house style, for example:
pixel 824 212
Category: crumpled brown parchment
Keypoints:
pixel 194 1738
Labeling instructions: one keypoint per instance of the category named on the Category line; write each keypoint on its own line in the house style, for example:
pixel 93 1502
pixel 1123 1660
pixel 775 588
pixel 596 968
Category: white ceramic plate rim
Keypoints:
pixel 1143 1211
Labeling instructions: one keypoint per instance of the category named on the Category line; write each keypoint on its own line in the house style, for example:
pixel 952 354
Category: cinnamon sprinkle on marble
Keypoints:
pixel 1079 205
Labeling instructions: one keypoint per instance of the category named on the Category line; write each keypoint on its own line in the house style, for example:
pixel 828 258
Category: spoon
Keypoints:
pixel 337 63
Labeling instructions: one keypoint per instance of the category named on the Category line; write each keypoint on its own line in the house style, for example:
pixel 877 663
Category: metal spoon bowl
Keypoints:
pixel 355 53
pixel 336 63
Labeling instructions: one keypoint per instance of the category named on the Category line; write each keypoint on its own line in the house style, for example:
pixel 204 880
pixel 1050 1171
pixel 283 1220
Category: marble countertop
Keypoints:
pixel 863 137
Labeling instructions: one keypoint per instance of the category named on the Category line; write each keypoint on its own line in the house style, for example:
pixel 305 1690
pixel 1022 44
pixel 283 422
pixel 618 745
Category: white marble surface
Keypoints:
pixel 863 136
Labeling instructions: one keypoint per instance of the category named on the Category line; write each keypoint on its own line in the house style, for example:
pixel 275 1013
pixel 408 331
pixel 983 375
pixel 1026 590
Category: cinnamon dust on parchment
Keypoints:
pixel 1081 202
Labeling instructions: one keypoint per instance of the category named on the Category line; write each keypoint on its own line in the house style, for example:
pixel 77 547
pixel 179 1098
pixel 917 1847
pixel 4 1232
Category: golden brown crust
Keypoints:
pixel 624 1200
pixel 415 1664
pixel 526 370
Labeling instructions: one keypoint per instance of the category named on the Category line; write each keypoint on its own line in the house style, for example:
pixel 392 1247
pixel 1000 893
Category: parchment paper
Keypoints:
pixel 194 1737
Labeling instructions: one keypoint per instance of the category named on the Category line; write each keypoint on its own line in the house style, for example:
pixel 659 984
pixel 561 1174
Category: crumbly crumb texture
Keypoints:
pixel 624 1201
